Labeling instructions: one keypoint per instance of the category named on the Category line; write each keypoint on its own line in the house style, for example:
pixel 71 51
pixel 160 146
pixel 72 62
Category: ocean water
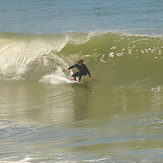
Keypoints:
pixel 116 117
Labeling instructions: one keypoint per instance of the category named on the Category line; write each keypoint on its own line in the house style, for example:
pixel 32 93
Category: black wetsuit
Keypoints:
pixel 83 70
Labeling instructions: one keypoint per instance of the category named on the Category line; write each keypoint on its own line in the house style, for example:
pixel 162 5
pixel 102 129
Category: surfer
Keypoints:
pixel 83 70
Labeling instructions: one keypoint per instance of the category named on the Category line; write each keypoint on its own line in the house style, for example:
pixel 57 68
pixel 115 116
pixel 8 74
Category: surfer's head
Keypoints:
pixel 80 62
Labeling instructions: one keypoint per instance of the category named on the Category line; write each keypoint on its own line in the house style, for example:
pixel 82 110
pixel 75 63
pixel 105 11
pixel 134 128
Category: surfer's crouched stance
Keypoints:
pixel 83 70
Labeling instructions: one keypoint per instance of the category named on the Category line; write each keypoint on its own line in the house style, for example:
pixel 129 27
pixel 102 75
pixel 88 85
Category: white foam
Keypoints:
pixel 57 77
pixel 25 160
pixel 54 79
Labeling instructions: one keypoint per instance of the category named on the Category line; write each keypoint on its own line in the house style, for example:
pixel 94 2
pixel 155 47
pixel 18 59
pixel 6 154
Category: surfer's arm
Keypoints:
pixel 72 66
pixel 88 72
pixel 68 70
pixel 90 75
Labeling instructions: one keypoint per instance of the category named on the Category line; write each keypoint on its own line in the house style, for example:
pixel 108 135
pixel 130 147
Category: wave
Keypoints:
pixel 114 57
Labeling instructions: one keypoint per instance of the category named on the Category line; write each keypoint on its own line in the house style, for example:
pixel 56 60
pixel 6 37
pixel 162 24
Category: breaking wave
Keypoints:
pixel 114 57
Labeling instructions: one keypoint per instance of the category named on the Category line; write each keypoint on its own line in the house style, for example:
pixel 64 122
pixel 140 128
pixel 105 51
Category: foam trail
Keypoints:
pixel 58 77
pixel 54 79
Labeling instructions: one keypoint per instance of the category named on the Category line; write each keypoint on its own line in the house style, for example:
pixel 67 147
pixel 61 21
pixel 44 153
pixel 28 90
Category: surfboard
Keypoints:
pixel 78 82
pixel 75 82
